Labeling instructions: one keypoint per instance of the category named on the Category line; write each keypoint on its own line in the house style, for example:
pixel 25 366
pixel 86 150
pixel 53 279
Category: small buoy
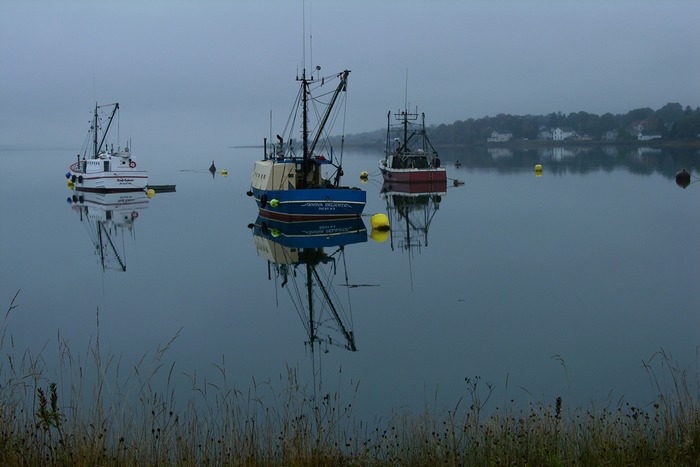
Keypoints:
pixel 274 202
pixel 275 233
pixel 683 179
pixel 71 185
pixel 538 168
pixel 212 167
pixel 380 222
pixel 379 236
pixel 458 182
pixel 224 172
pixel 150 192
pixel 364 174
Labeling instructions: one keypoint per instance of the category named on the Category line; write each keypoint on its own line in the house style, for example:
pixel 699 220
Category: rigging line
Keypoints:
pixel 345 270
pixel 295 296
pixel 116 253
pixel 328 291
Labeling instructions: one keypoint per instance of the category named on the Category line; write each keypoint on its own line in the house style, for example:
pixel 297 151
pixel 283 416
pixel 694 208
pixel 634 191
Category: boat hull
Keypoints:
pixel 313 204
pixel 437 175
pixel 109 181
pixel 416 188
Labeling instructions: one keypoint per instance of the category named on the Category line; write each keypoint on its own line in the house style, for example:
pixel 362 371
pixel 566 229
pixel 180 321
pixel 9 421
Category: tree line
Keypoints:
pixel 672 121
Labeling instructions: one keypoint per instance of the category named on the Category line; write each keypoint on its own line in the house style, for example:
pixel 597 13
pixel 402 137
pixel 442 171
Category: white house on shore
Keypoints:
pixel 497 137
pixel 642 137
pixel 560 134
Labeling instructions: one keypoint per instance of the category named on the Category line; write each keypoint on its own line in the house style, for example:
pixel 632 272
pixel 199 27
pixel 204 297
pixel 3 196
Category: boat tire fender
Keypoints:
pixel 263 201
pixel 134 214
pixel 73 178
pixel 132 164
pixel 80 179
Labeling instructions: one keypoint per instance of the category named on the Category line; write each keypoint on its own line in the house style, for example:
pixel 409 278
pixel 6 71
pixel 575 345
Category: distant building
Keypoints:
pixel 643 137
pixel 497 137
pixel 637 127
pixel 610 135
pixel 560 134
pixel 545 133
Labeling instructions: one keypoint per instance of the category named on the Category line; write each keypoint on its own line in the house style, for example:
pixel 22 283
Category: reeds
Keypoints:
pixel 92 412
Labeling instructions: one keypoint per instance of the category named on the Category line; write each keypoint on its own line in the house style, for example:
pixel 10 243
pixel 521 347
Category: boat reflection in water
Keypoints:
pixel 411 208
pixel 109 218
pixel 304 258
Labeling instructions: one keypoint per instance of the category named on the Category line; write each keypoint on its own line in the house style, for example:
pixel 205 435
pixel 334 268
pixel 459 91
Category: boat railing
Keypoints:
pixel 78 167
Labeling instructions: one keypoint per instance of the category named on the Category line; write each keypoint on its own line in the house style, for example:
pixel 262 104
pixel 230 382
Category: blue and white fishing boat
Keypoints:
pixel 289 183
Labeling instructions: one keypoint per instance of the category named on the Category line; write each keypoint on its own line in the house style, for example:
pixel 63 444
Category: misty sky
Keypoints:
pixel 214 70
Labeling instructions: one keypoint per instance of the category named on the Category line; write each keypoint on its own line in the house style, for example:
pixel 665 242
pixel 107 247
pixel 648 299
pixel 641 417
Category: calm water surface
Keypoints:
pixel 558 285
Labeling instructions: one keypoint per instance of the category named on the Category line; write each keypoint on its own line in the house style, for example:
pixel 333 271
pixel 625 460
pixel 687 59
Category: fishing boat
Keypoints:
pixel 109 219
pixel 410 156
pixel 289 183
pixel 101 167
pixel 298 261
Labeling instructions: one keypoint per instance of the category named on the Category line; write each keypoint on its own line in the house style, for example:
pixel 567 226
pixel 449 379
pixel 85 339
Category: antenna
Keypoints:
pixel 311 43
pixel 405 98
pixel 303 36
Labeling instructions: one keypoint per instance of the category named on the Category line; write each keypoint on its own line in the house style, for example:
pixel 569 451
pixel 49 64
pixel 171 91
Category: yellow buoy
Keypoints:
pixel 150 192
pixel 274 202
pixel 379 236
pixel 380 221
pixel 363 174
pixel 224 172
pixel 538 168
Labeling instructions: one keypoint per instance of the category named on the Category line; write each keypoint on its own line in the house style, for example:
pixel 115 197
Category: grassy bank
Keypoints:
pixel 119 418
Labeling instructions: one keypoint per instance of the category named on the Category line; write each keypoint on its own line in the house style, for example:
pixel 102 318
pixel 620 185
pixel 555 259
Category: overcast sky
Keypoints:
pixel 213 70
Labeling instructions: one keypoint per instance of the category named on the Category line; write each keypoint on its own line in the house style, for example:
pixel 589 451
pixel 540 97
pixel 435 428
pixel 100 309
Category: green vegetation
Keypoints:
pixel 66 424
pixel 671 122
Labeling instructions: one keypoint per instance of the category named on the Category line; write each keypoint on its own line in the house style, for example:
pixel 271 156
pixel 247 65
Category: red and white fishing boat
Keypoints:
pixel 102 168
pixel 410 157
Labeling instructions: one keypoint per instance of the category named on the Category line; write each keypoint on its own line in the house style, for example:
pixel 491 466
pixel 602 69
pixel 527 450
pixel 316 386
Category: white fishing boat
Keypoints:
pixel 101 167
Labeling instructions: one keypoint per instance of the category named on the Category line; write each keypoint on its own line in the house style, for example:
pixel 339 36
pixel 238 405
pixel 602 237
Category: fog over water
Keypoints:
pixel 208 74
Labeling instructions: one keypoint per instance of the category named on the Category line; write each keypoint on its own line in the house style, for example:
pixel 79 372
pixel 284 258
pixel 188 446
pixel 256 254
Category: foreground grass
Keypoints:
pixel 123 421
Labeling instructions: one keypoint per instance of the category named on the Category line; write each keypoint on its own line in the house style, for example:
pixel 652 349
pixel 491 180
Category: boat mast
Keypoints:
pixel 305 125
pixel 95 131
pixel 342 86
pixel 109 123
pixel 388 133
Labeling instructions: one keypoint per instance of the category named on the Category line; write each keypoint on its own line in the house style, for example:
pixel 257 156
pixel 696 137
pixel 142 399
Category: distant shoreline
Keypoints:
pixel 535 144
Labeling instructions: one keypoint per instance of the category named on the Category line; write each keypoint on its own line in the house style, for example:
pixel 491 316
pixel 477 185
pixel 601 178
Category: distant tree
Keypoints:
pixel 670 112
pixel 555 119
pixel 689 125
pixel 637 115
pixel 608 122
